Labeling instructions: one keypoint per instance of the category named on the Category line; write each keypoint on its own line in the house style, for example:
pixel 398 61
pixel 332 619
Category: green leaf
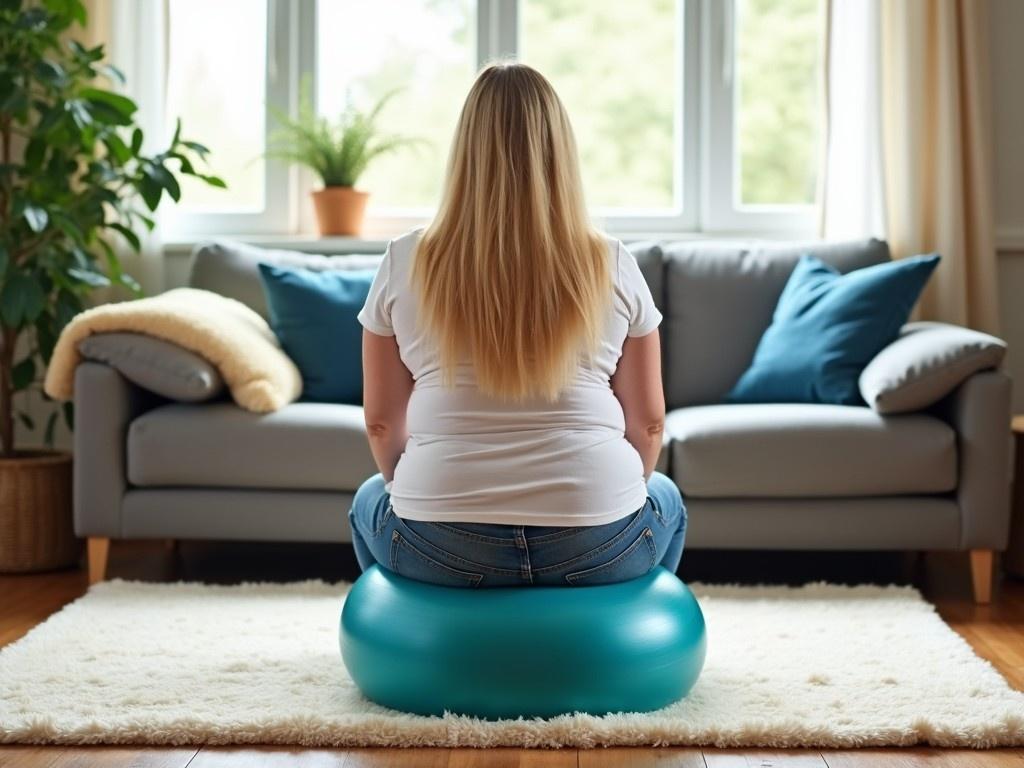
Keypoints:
pixel 90 278
pixel 111 73
pixel 25 419
pixel 146 220
pixel 128 235
pixel 49 71
pixel 36 217
pixel 106 115
pixel 68 305
pixel 81 258
pixel 4 259
pixel 24 373
pixel 150 191
pixel 214 181
pixel 185 165
pixel 50 119
pixel 177 133
pixel 117 147
pixel 48 432
pixel 35 153
pixel 70 9
pixel 68 226
pixel 120 104
pixel 15 102
pixel 45 337
pixel 164 178
pixel 31 18
pixel 79 113
pixel 113 263
pixel 136 141
pixel 21 300
pixel 196 147
pixel 130 283
pixel 12 301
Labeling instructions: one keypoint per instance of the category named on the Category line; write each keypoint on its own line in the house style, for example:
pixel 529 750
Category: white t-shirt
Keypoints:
pixel 474 459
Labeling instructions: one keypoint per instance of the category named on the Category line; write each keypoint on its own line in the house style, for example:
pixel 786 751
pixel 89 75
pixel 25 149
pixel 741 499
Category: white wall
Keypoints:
pixel 1008 116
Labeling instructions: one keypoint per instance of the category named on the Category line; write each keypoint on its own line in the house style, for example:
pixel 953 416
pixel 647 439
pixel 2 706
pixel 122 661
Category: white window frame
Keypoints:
pixel 278 215
pixel 721 209
pixel 706 172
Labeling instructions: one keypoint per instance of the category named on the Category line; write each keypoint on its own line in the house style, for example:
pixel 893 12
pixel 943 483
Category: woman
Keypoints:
pixel 512 373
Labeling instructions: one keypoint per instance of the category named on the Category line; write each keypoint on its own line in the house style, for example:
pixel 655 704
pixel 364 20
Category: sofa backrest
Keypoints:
pixel 719 298
pixel 232 269
pixel 651 261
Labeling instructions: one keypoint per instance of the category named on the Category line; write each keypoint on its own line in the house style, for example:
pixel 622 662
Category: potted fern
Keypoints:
pixel 73 180
pixel 338 152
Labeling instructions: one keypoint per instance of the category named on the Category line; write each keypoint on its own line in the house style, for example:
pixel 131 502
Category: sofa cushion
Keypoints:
pixel 826 329
pixel 303 446
pixel 719 300
pixel 800 450
pixel 232 269
pixel 926 363
pixel 309 446
pixel 314 317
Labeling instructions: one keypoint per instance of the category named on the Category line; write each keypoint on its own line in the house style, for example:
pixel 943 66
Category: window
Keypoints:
pixel 690 115
pixel 761 105
pixel 621 90
pixel 421 53
pixel 777 75
pixel 221 92
pixel 218 92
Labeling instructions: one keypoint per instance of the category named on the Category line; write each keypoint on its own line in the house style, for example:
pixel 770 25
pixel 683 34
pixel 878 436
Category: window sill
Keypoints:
pixel 307 243
pixel 344 245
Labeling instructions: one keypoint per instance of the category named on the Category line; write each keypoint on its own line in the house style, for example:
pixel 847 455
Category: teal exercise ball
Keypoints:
pixel 500 653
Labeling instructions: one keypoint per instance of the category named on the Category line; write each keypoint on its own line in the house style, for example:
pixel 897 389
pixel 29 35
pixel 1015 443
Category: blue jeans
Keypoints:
pixel 492 555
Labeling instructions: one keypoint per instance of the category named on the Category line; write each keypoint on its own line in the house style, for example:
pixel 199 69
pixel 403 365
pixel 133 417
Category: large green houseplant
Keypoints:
pixel 338 151
pixel 74 180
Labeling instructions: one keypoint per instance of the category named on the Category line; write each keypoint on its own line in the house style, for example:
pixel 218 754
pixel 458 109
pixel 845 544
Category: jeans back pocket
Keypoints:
pixel 633 562
pixel 408 561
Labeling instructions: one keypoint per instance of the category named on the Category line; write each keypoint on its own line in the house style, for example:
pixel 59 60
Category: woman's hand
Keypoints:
pixel 387 385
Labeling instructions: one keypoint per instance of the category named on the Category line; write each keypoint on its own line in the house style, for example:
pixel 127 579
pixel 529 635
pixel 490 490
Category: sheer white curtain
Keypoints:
pixel 853 194
pixel 909 143
pixel 135 35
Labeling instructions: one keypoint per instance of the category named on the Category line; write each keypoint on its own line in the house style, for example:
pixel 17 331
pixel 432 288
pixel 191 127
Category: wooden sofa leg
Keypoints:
pixel 982 561
pixel 98 549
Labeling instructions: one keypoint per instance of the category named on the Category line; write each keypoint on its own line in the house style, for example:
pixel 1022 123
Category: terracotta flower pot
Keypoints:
pixel 340 210
pixel 36 530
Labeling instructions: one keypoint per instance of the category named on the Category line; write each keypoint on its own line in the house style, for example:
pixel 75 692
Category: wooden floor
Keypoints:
pixel 996 632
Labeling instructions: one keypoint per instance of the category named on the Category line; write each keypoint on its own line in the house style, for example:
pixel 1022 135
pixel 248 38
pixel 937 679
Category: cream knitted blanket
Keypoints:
pixel 225 332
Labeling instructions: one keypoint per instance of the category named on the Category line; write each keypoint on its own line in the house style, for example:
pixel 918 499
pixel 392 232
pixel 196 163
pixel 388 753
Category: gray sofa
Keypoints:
pixel 754 476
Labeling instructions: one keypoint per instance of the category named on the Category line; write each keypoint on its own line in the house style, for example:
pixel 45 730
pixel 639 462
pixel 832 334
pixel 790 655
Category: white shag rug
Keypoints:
pixel 816 666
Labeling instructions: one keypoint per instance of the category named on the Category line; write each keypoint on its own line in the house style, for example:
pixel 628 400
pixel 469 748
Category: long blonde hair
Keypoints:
pixel 510 273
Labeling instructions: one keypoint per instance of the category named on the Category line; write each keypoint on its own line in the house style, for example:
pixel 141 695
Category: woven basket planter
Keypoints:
pixel 36 531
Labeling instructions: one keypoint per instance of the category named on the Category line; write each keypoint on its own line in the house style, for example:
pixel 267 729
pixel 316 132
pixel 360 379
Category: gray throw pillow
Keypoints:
pixel 156 365
pixel 926 363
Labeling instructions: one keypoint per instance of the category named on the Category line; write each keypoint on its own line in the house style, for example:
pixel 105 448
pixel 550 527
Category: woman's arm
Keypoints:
pixel 387 385
pixel 637 385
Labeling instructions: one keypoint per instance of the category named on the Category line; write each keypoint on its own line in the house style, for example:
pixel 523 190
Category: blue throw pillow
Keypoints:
pixel 314 317
pixel 827 327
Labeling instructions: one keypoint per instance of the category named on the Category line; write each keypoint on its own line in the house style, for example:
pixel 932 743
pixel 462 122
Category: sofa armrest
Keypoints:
pixel 979 412
pixel 105 404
